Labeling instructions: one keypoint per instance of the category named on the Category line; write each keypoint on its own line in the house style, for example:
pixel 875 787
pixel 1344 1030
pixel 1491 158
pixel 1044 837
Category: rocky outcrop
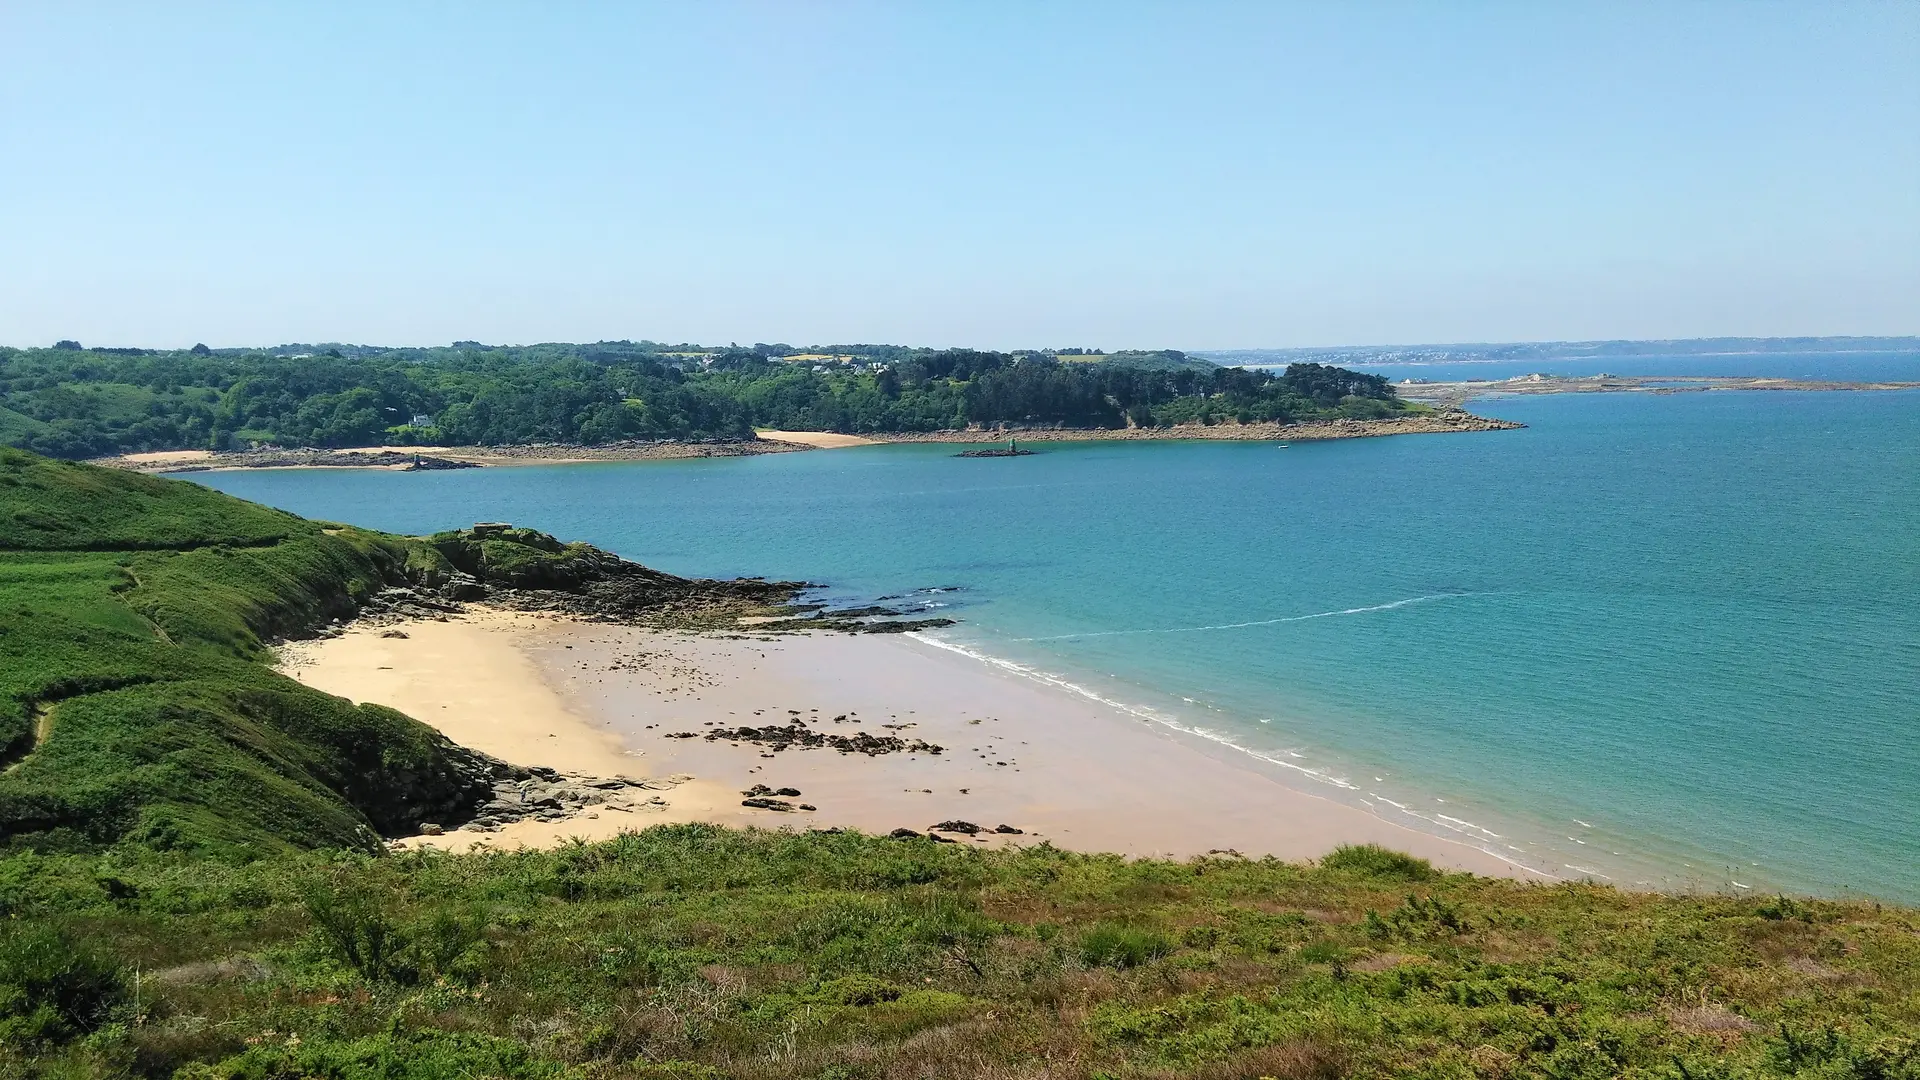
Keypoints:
pixel 1439 421
pixel 796 734
pixel 968 828
pixel 541 794
pixel 401 460
pixel 532 571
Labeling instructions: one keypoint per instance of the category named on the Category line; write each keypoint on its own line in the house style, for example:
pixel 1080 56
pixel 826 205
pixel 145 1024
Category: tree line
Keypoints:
pixel 73 402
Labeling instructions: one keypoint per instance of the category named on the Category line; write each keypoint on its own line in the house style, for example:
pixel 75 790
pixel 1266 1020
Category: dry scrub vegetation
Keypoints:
pixel 694 951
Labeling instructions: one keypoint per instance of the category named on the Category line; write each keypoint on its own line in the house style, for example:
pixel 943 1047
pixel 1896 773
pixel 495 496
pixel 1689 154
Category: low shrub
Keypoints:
pixel 425 1055
pixel 1372 860
pixel 1108 945
pixel 53 986
pixel 355 928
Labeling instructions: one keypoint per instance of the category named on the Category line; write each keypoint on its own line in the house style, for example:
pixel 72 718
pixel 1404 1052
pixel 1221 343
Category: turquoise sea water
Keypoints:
pixel 1666 639
pixel 1862 366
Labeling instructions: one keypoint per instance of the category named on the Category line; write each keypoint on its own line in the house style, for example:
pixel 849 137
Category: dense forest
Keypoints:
pixel 75 402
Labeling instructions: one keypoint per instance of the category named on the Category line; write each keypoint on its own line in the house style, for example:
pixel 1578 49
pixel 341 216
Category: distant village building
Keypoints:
pixel 421 419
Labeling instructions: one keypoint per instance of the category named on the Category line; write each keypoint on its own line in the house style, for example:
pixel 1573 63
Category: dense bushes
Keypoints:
pixel 53 986
pixel 1372 860
pixel 697 951
pixel 1122 946
pixel 432 1055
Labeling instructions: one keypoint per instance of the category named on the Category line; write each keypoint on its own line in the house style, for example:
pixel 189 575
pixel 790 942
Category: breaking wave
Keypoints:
pixel 1408 602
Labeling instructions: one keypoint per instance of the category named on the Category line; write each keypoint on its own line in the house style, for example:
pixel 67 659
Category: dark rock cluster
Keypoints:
pixel 545 795
pixel 399 603
pixel 970 829
pixel 964 828
pixel 482 793
pixel 796 734
pixel 760 797
pixel 780 805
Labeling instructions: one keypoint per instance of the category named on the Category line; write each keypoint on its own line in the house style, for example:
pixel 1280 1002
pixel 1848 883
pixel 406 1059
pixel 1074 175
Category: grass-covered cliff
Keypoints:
pixel 136 704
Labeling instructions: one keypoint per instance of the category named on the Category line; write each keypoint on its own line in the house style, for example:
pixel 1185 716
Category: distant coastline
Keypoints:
pixel 1444 413
pixel 1439 422
pixel 1549 351
pixel 434 458
pixel 429 458
pixel 1456 394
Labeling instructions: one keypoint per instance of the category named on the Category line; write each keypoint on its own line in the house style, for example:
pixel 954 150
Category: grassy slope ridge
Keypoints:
pixel 134 706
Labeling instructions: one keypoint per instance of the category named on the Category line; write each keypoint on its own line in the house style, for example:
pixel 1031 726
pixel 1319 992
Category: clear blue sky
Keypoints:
pixel 1206 175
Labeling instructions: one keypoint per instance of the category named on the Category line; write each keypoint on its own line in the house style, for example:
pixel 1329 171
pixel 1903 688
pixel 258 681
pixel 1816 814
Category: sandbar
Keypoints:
pixel 819 440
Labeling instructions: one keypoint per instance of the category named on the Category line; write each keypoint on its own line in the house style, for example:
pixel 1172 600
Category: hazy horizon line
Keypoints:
pixel 1898 340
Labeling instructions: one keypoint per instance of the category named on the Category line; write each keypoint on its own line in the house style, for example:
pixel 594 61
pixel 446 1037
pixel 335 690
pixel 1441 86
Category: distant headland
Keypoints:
pixel 292 405
pixel 470 403
pixel 1524 351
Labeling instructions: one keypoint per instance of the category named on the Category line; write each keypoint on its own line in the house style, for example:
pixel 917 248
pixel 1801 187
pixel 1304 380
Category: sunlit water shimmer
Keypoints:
pixel 1662 639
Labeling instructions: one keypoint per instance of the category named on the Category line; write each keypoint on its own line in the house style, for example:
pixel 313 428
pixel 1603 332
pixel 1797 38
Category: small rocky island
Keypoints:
pixel 1012 449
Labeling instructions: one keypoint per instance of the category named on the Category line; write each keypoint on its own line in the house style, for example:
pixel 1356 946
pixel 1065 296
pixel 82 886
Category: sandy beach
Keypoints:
pixel 767 442
pixel 819 440
pixel 472 678
pixel 402 458
pixel 605 700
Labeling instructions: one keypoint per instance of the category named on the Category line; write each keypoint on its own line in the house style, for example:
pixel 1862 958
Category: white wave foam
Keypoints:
pixel 1408 602
pixel 1470 833
pixel 1468 826
pixel 1139 711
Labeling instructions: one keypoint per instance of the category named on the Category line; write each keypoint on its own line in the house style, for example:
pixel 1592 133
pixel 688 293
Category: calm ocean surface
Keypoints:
pixel 1665 639
pixel 1864 366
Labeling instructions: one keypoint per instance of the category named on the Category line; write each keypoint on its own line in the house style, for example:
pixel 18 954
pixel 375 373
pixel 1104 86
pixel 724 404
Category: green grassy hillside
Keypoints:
pixel 133 704
pixel 48 505
pixel 694 951
pixel 16 427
